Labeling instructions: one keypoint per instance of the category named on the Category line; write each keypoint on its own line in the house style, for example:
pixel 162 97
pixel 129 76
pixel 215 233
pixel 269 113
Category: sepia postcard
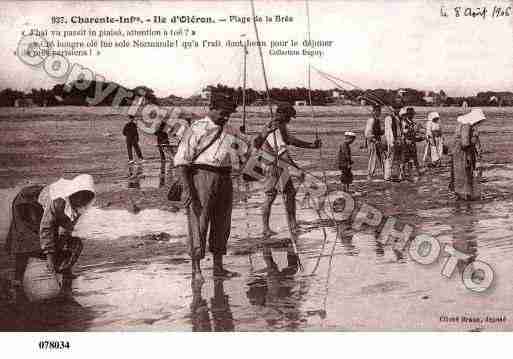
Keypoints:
pixel 256 166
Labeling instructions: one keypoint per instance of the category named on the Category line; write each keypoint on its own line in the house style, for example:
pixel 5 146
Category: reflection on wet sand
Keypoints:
pixel 278 292
pixel 464 237
pixel 150 175
pixel 58 315
pixel 218 317
pixel 357 282
pixel 135 173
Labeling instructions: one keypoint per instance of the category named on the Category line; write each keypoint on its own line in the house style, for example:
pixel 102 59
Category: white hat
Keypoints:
pixel 64 188
pixel 473 117
pixel 402 111
pixel 349 133
pixel 432 116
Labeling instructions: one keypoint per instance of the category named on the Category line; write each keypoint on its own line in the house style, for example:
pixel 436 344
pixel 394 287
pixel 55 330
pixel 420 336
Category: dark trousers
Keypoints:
pixel 215 194
pixel 162 153
pixel 135 146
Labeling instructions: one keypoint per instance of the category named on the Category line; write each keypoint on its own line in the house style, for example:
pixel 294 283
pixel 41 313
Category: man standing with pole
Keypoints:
pixel 276 142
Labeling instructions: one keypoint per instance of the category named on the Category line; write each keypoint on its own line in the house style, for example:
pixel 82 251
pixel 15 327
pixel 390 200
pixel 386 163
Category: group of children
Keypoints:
pixel 395 147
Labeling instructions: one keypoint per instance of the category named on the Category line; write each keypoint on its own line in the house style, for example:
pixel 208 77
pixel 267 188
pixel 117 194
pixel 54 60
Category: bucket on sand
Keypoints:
pixel 39 283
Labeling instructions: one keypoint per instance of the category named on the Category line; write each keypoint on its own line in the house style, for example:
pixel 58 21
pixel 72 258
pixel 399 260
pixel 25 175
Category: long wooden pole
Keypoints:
pixel 244 90
pixel 293 235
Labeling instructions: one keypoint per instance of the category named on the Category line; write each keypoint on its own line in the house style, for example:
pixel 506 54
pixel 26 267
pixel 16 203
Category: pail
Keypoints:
pixel 39 283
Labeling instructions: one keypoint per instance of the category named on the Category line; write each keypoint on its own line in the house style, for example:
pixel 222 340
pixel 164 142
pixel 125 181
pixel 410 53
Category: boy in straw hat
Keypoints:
pixel 464 180
pixel 344 160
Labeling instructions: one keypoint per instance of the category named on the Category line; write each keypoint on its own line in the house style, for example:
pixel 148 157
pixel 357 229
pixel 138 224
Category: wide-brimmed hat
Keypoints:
pixel 476 115
pixel 402 111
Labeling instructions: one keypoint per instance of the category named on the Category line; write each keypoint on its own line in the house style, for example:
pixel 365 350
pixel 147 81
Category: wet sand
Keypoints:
pixel 134 273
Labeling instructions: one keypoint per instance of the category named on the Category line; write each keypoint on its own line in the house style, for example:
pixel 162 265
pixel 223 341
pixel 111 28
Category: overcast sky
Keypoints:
pixel 376 44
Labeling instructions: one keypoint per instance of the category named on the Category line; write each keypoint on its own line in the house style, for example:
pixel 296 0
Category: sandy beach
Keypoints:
pixel 134 273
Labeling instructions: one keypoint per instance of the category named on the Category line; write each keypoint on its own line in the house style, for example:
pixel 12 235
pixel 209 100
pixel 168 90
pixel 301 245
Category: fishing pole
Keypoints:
pixel 317 211
pixel 243 130
pixel 293 235
pixel 334 223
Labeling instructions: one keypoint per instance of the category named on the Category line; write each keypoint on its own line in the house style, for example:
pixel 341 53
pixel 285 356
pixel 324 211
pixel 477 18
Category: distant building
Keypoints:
pixel 429 100
pixel 432 98
pixel 401 92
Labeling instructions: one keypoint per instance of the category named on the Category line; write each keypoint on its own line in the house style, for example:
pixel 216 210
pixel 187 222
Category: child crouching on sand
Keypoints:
pixel 344 160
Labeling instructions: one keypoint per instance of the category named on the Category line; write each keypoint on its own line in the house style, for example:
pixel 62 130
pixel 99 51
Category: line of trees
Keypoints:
pixel 58 95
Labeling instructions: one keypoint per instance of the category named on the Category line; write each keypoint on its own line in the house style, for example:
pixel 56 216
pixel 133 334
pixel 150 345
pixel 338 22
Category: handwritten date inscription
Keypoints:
pixel 476 12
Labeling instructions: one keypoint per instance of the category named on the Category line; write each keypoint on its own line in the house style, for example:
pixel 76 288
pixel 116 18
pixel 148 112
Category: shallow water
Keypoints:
pixel 349 283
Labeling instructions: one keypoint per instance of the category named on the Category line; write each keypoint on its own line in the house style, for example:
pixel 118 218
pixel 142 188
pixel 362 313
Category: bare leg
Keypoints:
pixel 266 212
pixel 197 276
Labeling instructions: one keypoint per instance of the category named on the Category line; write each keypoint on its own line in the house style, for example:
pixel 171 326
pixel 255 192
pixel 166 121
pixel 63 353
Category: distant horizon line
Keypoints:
pixel 198 92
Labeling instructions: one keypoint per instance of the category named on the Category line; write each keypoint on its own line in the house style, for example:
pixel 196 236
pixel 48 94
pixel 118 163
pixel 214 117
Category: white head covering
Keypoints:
pixel 402 111
pixel 349 133
pixel 476 115
pixel 64 188
pixel 433 115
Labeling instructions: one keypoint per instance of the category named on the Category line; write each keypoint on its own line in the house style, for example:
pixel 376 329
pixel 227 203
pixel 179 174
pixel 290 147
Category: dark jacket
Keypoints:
pixel 130 132
pixel 344 156
pixel 23 234
pixel 162 136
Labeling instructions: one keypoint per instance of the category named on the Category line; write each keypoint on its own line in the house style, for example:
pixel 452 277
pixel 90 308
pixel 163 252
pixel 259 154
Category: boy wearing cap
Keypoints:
pixel 277 138
pixel 344 160
pixel 204 162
